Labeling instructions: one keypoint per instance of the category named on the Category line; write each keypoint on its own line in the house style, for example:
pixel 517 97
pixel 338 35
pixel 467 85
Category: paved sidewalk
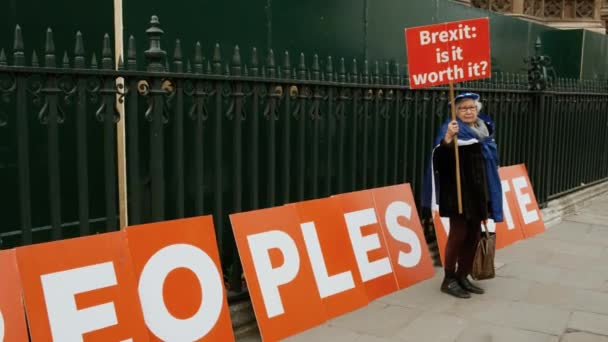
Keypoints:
pixel 552 287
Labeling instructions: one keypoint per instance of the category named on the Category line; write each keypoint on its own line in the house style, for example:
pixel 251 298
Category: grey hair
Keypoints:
pixel 478 105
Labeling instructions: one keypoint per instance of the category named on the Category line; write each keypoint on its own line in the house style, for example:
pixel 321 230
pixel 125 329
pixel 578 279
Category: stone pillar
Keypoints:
pixel 518 6
pixel 598 9
pixel 604 14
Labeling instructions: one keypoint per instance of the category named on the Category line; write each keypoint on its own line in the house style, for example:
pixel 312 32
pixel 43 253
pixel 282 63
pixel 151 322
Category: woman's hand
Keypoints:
pixel 451 131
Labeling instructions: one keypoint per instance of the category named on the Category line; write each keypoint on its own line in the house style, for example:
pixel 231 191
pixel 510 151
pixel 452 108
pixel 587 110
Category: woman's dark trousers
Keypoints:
pixel 462 243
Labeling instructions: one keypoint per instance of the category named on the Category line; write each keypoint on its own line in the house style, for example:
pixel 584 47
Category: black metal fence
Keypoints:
pixel 216 136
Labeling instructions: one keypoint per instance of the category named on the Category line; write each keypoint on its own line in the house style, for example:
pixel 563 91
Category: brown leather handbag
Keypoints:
pixel 483 264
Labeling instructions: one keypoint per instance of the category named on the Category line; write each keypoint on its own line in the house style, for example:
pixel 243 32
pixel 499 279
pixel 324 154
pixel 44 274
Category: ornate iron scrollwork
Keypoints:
pixel 275 95
pixel 8 85
pixel 122 91
pixel 69 88
pixel 200 92
pixel 407 98
pixel 165 89
pixel 368 96
pixel 302 94
pixel 342 97
pixel 94 85
pixel 238 93
pixel 540 72
pixel 318 95
pixel 109 89
pixel 388 99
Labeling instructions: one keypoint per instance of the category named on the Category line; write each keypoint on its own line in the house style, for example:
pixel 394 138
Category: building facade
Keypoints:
pixel 563 14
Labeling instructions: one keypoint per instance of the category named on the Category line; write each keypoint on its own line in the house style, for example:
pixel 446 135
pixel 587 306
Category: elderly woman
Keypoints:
pixel 480 184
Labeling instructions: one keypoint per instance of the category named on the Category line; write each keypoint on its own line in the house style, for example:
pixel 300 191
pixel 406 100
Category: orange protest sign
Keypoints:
pixel 449 52
pixel 181 287
pixel 12 315
pixel 403 233
pixel 507 232
pixel 368 243
pixel 81 289
pixel 332 259
pixel 524 200
pixel 442 230
pixel 279 275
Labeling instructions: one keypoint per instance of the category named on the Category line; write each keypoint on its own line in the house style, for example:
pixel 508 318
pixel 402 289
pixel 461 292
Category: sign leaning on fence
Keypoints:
pixel 448 52
pixel 311 261
pixel 153 282
pixel 523 218
pixel 12 315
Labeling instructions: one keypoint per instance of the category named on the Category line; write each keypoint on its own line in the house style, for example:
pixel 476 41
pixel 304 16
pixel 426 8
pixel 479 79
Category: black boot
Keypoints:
pixel 464 282
pixel 450 286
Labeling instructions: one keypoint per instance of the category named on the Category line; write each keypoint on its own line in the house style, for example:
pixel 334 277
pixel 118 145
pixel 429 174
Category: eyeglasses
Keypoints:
pixel 466 109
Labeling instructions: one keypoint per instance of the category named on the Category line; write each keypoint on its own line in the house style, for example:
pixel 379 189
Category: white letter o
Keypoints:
pixel 159 320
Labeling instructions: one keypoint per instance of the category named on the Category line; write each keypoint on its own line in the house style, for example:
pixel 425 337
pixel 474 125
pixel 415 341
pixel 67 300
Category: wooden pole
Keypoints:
pixel 458 189
pixel 120 127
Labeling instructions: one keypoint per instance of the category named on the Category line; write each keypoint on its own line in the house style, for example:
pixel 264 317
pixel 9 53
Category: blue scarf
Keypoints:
pixel 490 154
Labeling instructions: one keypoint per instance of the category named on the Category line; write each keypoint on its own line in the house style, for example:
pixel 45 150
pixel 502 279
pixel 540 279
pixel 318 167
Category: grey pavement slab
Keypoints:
pixel 325 333
pixel 552 295
pixel 483 332
pixel 525 316
pixel 528 271
pixel 551 288
pixel 425 328
pixel 601 226
pixel 511 289
pixel 422 296
pixel 370 338
pixel 377 319
pixel 592 302
pixel 582 279
pixel 569 261
pixel 589 218
pixel 605 287
pixel 579 336
pixel 589 249
pixel 589 322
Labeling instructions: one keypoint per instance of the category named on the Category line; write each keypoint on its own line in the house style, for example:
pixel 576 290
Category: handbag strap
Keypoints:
pixel 486 230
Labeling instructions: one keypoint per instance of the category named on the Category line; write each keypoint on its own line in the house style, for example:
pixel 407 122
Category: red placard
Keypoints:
pixel 448 52
pixel 279 274
pixel 81 289
pixel 523 199
pixel 12 315
pixel 332 260
pixel 181 287
pixel 442 231
pixel 368 243
pixel 403 233
pixel 507 232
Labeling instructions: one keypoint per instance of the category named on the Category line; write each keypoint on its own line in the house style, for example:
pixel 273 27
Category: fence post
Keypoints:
pixel 154 114
pixel 539 80
pixel 52 117
pixel 23 148
pixel 106 114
